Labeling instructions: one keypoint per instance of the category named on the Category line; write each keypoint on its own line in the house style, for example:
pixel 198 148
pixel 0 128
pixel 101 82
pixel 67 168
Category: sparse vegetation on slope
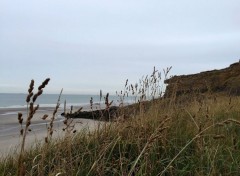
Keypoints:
pixel 224 80
pixel 188 135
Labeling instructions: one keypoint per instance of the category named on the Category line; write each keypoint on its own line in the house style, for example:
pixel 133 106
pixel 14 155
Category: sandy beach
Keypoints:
pixel 10 137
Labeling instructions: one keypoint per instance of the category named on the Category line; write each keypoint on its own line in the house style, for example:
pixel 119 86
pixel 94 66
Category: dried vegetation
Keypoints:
pixel 186 135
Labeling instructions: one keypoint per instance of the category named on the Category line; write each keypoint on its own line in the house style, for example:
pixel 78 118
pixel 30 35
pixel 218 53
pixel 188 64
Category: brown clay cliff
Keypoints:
pixel 223 80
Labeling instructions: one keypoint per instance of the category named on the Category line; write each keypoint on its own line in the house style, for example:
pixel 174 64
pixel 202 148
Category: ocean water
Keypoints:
pixel 13 100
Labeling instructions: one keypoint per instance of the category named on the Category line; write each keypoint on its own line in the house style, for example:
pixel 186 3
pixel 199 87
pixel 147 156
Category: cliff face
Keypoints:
pixel 224 80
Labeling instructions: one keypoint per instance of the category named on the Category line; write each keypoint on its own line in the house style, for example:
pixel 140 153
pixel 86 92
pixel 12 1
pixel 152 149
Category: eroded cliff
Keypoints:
pixel 223 80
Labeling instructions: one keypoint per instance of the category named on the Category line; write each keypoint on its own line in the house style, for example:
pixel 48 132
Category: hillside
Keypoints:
pixel 224 80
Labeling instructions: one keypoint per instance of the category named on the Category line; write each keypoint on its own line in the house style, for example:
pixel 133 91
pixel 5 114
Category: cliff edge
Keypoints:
pixel 223 80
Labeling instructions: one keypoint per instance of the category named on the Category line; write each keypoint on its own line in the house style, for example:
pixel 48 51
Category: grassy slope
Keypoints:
pixel 194 136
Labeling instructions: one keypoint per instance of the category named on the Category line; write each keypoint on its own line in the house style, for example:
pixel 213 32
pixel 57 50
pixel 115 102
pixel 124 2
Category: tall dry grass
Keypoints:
pixel 31 110
pixel 187 135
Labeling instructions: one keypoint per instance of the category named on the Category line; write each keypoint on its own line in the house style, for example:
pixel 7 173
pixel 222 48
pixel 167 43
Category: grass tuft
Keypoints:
pixel 175 135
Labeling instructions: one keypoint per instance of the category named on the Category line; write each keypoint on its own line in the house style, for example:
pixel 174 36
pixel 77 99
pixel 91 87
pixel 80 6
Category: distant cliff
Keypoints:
pixel 223 80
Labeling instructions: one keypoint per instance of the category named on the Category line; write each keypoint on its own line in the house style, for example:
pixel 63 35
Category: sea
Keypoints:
pixel 18 100
pixel 13 103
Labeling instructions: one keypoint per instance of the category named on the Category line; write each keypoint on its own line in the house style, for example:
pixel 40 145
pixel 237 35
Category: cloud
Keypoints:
pixel 91 45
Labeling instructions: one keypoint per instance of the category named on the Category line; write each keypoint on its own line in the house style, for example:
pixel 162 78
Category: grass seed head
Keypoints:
pixel 28 123
pixel 45 117
pixel 35 97
pixel 35 109
pixel 40 92
pixel 31 86
pixel 44 83
pixel 91 103
pixel 29 97
pixel 20 119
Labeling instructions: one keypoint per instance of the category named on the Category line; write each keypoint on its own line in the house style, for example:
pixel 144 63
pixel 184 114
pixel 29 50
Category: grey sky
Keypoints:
pixel 85 46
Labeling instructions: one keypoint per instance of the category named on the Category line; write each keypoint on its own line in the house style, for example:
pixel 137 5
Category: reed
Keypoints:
pixel 31 110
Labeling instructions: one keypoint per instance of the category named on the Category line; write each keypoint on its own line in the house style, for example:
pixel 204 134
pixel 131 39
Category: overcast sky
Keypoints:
pixel 88 45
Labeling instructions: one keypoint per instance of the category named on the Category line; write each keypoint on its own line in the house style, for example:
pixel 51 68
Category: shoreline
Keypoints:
pixel 10 137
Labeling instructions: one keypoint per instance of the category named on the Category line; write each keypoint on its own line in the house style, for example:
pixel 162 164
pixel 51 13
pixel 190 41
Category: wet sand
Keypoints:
pixel 10 137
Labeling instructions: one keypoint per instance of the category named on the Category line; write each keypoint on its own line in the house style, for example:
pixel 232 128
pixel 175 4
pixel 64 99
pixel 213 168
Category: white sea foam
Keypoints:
pixel 13 107
pixel 46 105
pixel 9 113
